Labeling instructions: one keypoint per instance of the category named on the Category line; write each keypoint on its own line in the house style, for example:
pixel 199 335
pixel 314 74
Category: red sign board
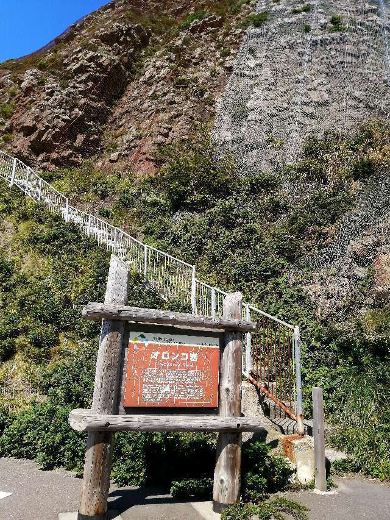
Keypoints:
pixel 165 374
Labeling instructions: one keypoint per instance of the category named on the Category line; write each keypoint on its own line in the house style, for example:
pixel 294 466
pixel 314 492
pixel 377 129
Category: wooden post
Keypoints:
pixel 319 439
pixel 227 476
pixel 96 481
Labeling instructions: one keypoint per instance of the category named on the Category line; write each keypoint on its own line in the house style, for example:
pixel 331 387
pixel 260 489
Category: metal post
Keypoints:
pixel 40 190
pixel 89 226
pixel 145 263
pixel 115 248
pixel 27 178
pixel 193 291
pixel 213 304
pixel 13 173
pixel 248 349
pixel 67 210
pixel 298 377
pixel 319 439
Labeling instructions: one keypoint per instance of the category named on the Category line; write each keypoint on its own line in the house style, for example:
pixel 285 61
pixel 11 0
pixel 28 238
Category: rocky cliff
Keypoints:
pixel 137 74
pixel 131 76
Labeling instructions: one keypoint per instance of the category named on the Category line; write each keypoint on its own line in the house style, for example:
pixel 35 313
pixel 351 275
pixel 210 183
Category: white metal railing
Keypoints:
pixel 171 277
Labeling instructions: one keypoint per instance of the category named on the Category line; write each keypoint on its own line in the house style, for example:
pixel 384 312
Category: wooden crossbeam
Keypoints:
pixel 98 311
pixel 86 420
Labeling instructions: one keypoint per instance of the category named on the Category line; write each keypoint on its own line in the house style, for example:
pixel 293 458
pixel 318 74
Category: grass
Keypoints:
pixel 7 110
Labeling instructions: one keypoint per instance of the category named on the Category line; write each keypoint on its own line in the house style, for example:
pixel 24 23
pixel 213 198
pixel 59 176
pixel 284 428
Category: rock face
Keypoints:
pixel 130 77
pixel 310 67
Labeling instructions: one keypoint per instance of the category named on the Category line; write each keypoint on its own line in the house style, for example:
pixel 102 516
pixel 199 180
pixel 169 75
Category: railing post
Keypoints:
pixel 213 303
pixel 27 177
pixel 89 226
pixel 13 173
pixel 40 190
pixel 193 291
pixel 248 353
pixel 115 240
pixel 298 378
pixel 66 210
pixel 145 263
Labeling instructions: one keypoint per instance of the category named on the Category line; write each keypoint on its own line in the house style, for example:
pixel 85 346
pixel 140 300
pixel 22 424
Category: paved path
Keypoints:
pixel 355 498
pixel 41 495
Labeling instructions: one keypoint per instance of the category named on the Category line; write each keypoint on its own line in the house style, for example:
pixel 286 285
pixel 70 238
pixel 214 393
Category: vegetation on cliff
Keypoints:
pixel 245 233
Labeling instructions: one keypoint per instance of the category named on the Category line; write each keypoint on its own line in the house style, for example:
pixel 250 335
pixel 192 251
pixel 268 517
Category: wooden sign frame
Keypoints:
pixel 107 416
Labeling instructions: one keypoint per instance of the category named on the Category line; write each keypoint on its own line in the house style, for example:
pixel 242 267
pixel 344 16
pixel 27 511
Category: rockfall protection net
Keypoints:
pixel 310 67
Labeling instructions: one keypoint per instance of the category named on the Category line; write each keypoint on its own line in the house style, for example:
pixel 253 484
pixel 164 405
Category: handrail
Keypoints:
pixel 170 276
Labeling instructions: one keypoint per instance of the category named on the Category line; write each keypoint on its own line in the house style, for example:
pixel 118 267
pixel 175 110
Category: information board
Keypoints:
pixel 166 370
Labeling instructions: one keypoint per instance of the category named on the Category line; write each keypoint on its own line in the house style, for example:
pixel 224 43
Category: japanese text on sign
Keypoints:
pixel 172 371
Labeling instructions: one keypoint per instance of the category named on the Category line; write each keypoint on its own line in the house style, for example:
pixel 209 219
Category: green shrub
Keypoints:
pixel 6 111
pixel 304 9
pixel 263 473
pixel 336 23
pixel 307 28
pixel 186 488
pixel 191 178
pixel 198 15
pixel 6 138
pixel 42 433
pixel 363 415
pixel 270 510
pixel 42 65
pixel 13 91
pixel 259 19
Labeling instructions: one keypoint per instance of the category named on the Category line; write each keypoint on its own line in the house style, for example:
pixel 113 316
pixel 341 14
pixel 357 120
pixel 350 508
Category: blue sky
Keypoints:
pixel 27 25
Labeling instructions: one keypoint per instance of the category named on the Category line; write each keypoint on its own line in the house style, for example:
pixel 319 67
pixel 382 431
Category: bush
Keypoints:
pixel 336 23
pixel 259 19
pixel 263 473
pixel 199 488
pixel 6 138
pixel 363 415
pixel 6 111
pixel 42 433
pixel 198 15
pixel 193 178
pixel 270 510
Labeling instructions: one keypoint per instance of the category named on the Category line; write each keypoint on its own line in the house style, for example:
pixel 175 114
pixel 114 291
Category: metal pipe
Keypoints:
pixel 40 190
pixel 264 389
pixel 193 291
pixel 66 210
pixel 13 173
pixel 248 353
pixel 213 303
pixel 145 263
pixel 298 377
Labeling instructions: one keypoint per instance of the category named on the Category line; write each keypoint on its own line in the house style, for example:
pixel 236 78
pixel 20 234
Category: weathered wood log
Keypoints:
pixel 96 481
pixel 97 311
pixel 319 439
pixel 87 420
pixel 227 476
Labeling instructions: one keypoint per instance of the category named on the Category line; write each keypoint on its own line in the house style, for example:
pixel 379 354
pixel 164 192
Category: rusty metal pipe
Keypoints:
pixel 263 388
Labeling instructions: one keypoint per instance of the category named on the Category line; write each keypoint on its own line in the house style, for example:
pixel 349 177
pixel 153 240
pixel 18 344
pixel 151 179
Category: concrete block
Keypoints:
pixel 300 451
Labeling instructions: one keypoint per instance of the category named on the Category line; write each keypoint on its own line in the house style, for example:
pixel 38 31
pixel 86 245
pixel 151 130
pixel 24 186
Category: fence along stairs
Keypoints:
pixel 175 279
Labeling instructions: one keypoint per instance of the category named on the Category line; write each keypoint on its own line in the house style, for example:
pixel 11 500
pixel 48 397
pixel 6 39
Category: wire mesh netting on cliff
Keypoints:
pixel 307 67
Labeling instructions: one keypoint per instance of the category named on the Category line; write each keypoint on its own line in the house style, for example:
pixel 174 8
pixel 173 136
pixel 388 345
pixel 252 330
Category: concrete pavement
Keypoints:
pixel 42 495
